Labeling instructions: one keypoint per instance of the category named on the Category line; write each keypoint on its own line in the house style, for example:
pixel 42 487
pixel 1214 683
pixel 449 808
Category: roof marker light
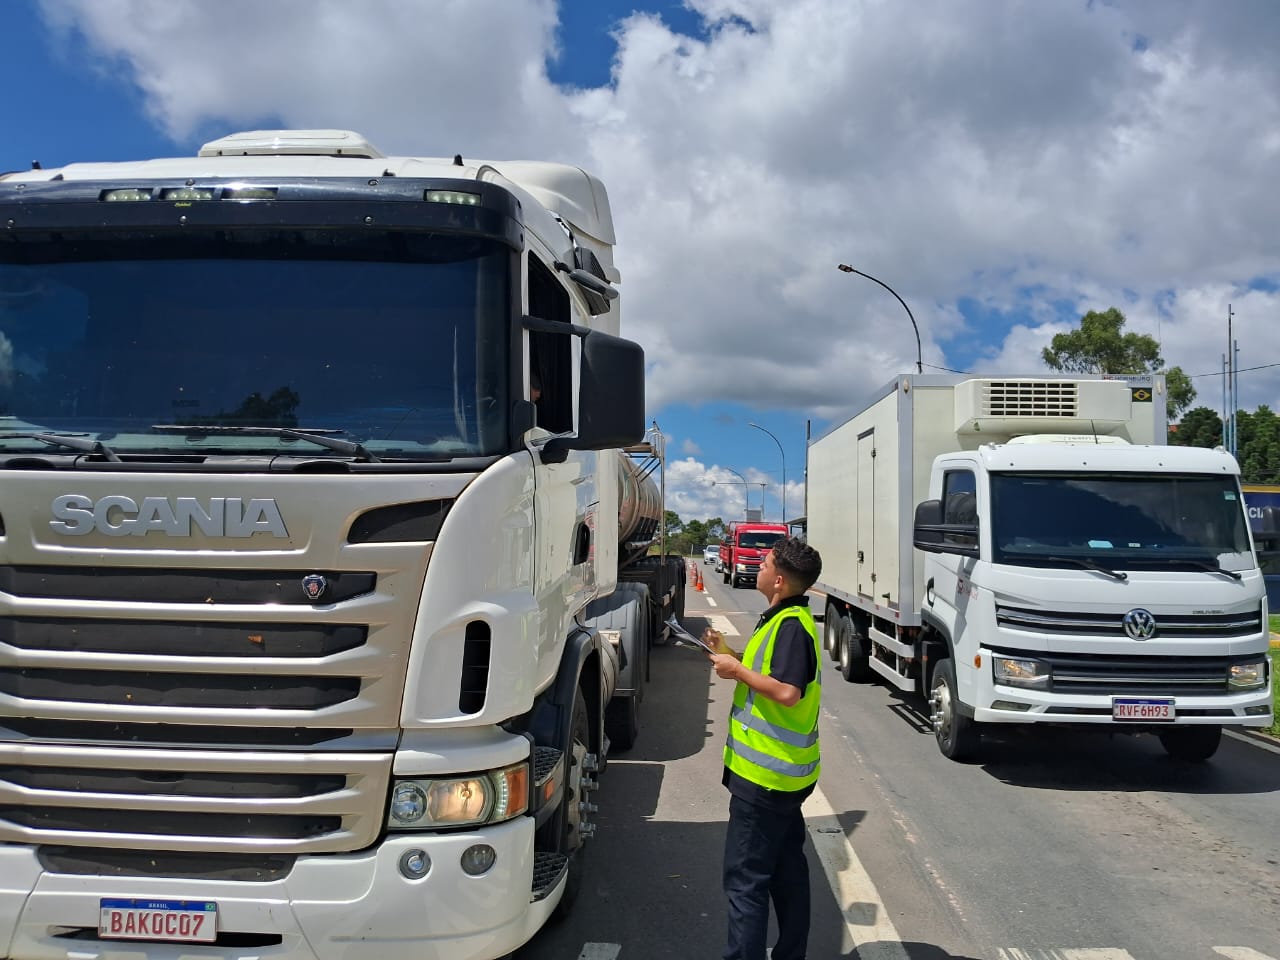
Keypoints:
pixel 453 196
pixel 125 194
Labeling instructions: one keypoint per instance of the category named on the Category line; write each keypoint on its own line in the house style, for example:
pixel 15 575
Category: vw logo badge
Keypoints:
pixel 1139 624
pixel 314 585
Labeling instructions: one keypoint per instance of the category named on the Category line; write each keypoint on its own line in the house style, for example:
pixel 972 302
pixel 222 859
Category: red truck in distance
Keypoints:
pixel 744 549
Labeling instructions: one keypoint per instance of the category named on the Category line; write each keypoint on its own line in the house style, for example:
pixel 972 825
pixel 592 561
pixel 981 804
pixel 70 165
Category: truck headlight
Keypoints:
pixel 1020 673
pixel 432 803
pixel 742 568
pixel 1247 676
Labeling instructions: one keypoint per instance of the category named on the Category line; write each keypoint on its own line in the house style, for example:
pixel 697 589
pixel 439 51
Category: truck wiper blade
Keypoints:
pixel 1088 565
pixel 1199 564
pixel 71 442
pixel 320 437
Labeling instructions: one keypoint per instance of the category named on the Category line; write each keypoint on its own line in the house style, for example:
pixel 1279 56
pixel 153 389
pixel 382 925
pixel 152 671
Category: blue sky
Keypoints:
pixel 1005 166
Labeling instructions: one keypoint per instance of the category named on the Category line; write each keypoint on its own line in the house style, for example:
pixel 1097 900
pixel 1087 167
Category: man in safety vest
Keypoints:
pixel 771 758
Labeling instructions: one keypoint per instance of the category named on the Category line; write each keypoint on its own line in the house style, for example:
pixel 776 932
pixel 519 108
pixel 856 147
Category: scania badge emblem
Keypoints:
pixel 314 585
pixel 1139 624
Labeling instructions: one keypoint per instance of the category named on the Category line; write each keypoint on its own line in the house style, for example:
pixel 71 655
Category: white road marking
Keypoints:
pixel 600 951
pixel 1241 953
pixel 1079 953
pixel 866 921
pixel 722 624
pixel 711 602
pixel 1256 742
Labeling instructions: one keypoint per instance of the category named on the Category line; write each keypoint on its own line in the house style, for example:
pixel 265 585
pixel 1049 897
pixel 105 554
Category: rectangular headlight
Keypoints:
pixel 1247 676
pixel 422 803
pixel 1014 672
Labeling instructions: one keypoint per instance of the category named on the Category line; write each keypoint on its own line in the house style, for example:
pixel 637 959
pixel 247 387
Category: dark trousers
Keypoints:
pixel 764 860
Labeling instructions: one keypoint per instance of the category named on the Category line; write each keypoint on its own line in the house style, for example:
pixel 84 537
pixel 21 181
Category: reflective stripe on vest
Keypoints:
pixel 769 744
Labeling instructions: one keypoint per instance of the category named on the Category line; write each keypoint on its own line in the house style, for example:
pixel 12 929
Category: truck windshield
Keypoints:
pixel 758 541
pixel 394 341
pixel 1119 522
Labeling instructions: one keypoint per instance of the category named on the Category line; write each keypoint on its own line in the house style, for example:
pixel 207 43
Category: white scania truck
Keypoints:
pixel 1026 550
pixel 319 469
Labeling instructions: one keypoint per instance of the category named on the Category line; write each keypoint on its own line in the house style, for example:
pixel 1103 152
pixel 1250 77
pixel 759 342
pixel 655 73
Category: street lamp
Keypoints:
pixel 784 471
pixel 919 361
pixel 746 504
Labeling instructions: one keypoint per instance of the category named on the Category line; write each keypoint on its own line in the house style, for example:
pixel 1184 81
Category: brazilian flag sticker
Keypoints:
pixel 1140 394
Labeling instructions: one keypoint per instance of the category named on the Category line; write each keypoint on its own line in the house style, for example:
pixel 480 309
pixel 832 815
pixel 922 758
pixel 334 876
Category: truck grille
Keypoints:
pixel 192 800
pixel 197 711
pixel 1145 676
pixel 1196 626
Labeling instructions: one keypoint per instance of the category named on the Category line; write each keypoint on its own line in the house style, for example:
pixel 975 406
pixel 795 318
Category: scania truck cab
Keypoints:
pixel 292 567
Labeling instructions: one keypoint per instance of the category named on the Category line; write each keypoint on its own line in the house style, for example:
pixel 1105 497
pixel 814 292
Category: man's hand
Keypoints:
pixel 715 640
pixel 727 666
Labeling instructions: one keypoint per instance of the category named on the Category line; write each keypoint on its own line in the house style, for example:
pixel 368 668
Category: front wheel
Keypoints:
pixel 572 815
pixel 1191 744
pixel 957 735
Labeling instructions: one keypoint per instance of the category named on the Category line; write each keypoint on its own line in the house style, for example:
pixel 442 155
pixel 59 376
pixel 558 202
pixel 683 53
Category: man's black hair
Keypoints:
pixel 798 562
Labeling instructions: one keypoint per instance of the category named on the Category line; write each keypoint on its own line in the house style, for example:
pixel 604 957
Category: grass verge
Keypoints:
pixel 1275 691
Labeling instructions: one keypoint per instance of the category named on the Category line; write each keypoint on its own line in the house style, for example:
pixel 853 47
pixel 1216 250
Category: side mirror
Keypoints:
pixel 610 397
pixel 933 536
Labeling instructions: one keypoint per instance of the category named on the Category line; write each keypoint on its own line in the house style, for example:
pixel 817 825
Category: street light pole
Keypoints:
pixel 919 356
pixel 746 504
pixel 784 471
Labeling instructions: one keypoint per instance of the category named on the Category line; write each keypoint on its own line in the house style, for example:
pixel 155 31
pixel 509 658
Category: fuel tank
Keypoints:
pixel 639 503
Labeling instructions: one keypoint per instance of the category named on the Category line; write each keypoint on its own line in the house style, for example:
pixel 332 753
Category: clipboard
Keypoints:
pixel 682 635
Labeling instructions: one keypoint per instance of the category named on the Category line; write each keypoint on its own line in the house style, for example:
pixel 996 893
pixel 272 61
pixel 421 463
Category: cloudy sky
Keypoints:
pixel 1004 165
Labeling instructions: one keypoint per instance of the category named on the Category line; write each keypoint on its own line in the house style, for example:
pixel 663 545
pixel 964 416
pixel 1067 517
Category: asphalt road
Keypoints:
pixel 1054 847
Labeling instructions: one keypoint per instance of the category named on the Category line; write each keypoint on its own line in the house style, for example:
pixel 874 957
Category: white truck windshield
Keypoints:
pixel 398 342
pixel 1120 522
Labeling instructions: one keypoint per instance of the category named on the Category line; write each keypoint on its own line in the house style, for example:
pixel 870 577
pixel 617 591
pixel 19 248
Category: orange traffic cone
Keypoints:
pixel 698 580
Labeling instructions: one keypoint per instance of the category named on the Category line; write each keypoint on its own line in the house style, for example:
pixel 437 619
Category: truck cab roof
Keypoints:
pixel 1085 454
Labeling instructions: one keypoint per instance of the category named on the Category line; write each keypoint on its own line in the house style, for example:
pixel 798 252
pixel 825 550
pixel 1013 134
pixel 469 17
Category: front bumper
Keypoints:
pixel 351 906
pixel 999 703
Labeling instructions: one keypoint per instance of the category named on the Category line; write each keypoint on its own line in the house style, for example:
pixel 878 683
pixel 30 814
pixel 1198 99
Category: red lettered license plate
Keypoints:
pixel 1143 710
pixel 188 921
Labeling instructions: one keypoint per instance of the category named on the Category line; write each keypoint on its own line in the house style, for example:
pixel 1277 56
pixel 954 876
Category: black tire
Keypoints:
pixel 854 657
pixel 831 632
pixel 958 736
pixel 622 723
pixel 571 840
pixel 1191 744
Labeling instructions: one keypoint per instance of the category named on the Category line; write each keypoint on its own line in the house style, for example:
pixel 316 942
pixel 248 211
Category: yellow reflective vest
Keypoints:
pixel 769 744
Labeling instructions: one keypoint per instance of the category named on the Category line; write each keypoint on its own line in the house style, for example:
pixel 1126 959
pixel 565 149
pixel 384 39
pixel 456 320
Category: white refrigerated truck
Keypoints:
pixel 308 632
pixel 1027 550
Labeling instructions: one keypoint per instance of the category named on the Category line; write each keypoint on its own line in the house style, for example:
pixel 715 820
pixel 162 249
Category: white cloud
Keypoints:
pixel 691 448
pixel 1012 152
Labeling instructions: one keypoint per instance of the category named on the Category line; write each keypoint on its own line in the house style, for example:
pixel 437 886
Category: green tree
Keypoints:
pixel 1099 346
pixel 1200 427
pixel 1258 449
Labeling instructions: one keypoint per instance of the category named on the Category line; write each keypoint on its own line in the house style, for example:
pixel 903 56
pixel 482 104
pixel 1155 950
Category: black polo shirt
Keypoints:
pixel 794 661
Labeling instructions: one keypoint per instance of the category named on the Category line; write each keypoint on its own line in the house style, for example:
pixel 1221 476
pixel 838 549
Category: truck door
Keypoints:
pixel 952 588
pixel 866 513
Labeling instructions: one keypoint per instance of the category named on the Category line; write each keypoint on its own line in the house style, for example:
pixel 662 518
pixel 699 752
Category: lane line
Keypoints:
pixel 867 926
pixel 711 601
pixel 600 951
pixel 721 623
pixel 1252 741
pixel 1078 953
pixel 1241 953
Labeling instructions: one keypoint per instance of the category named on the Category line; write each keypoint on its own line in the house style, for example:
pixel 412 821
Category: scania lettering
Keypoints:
pixel 320 621
pixel 118 516
pixel 1026 550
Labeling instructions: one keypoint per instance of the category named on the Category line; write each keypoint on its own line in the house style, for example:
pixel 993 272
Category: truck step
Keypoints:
pixel 545 762
pixel 548 868
pixel 897 679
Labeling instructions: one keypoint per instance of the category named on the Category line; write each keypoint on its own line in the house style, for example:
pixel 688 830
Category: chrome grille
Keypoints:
pixel 190 800
pixel 1198 626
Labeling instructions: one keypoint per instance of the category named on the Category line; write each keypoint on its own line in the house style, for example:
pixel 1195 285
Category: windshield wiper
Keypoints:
pixel 81 443
pixel 1087 564
pixel 1193 562
pixel 320 437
